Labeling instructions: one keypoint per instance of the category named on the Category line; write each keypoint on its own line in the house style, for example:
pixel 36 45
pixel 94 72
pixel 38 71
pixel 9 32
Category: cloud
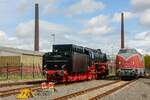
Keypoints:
pixel 143 36
pixel 21 33
pixel 45 1
pixel 23 6
pixel 142 51
pixel 25 32
pixel 50 1
pixel 47 27
pixel 63 34
pixel 98 25
pixel 99 20
pixel 140 5
pixel 49 9
pixel 24 38
pixel 12 41
pixel 142 9
pixel 2 35
pixel 140 41
pixel 15 42
pixel 45 6
pixel 145 18
pixel 97 30
pixel 142 44
pixel 85 6
pixel 127 15
pixel 26 29
pixel 49 6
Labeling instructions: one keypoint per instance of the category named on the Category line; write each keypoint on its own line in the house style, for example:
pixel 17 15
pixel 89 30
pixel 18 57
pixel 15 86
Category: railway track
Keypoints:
pixel 17 90
pixel 82 93
pixel 110 91
pixel 36 86
pixel 14 89
pixel 89 92
pixel 21 83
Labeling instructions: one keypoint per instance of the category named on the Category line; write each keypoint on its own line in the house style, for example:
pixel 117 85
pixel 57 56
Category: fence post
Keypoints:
pixel 7 71
pixel 21 70
pixel 33 71
pixel 41 74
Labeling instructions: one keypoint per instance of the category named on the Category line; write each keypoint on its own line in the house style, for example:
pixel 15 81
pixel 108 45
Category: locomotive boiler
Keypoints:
pixel 68 63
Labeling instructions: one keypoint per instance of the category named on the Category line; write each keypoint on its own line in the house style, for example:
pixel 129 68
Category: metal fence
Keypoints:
pixel 20 72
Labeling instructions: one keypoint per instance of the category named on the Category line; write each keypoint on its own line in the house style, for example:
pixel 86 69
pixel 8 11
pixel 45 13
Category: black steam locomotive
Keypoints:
pixel 68 62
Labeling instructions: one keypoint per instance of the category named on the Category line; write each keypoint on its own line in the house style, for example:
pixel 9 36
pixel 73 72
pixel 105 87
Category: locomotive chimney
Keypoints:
pixel 36 39
pixel 122 30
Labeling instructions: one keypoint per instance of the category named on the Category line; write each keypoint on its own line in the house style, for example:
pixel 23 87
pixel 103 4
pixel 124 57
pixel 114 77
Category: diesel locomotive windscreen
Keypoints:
pixel 130 51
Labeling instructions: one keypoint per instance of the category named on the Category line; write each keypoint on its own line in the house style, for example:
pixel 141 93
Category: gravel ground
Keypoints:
pixel 66 89
pixel 96 92
pixel 139 90
pixel 13 87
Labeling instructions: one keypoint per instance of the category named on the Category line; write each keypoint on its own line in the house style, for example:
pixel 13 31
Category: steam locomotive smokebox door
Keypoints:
pixel 79 62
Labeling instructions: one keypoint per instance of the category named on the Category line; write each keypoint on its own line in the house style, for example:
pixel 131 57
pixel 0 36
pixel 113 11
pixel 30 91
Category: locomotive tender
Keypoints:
pixel 68 63
pixel 130 63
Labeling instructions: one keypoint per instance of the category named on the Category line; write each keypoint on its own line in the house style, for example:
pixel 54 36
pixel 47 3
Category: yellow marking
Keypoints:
pixel 24 94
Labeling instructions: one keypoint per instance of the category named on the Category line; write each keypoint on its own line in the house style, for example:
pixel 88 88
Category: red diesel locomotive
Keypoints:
pixel 70 63
pixel 130 63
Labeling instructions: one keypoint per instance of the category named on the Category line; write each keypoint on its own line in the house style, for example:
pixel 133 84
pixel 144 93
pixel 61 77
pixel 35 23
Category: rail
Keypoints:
pixel 84 91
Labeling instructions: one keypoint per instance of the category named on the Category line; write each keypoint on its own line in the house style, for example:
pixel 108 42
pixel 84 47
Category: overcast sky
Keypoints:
pixel 90 23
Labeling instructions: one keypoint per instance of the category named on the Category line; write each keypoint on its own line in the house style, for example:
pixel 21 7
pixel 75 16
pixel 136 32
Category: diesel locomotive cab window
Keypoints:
pixel 133 51
pixel 128 51
pixel 122 51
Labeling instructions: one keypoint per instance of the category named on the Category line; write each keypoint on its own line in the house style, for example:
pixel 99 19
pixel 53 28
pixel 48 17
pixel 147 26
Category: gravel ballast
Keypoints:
pixel 139 90
pixel 66 89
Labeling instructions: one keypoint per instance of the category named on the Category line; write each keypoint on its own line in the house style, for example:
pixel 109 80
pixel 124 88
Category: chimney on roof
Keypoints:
pixel 36 39
pixel 122 30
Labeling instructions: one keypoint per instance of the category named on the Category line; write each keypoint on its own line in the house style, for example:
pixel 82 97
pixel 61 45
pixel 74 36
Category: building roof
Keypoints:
pixel 20 51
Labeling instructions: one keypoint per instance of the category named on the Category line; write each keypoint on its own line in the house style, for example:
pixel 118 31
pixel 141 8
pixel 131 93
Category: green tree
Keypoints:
pixel 147 61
